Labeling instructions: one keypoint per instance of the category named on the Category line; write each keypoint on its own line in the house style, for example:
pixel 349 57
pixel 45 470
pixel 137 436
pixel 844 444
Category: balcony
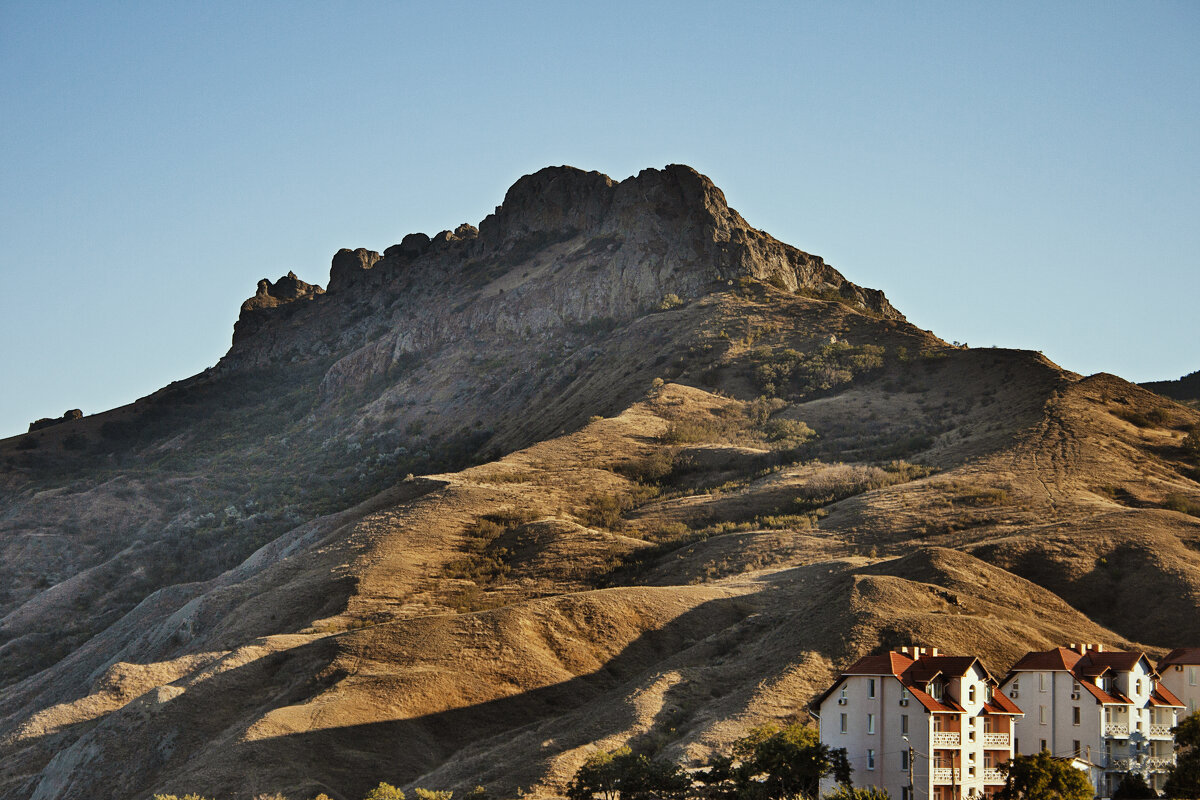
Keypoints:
pixel 946 738
pixel 1160 762
pixel 1123 764
pixel 944 776
pixel 1160 732
pixel 995 740
pixel 992 775
pixel 1116 729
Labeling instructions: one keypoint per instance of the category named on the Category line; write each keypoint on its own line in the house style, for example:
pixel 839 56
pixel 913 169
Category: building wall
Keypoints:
pixel 887 741
pixel 1183 680
pixel 889 746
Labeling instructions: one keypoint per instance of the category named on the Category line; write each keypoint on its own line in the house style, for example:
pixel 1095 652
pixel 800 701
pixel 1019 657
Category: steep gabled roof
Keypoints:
pixel 1180 655
pixel 886 664
pixel 1000 704
pixel 1122 660
pixel 1060 658
pixel 1163 696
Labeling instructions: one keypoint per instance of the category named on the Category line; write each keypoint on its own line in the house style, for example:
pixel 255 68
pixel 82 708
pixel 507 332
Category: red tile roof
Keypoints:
pixel 1164 697
pixel 885 664
pixel 1060 658
pixel 915 675
pixel 1181 655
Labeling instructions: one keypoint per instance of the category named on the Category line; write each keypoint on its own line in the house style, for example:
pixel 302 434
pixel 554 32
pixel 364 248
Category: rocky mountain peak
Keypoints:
pixel 566 247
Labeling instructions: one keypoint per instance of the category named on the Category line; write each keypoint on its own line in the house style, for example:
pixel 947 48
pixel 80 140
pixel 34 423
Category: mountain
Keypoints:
pixel 1185 389
pixel 613 466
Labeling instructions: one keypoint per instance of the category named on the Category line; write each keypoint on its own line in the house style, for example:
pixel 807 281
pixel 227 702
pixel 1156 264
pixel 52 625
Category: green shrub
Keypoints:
pixel 604 511
pixel 432 794
pixel 384 791
pixel 687 431
pixel 668 302
pixel 1182 503
pixel 787 433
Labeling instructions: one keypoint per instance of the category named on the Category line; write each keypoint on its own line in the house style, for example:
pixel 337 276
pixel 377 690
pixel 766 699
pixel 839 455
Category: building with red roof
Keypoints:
pixel 1180 673
pixel 920 725
pixel 1105 707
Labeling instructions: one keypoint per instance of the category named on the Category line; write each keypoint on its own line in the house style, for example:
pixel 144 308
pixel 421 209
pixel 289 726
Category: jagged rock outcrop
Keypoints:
pixel 564 248
pixel 46 422
pixel 270 296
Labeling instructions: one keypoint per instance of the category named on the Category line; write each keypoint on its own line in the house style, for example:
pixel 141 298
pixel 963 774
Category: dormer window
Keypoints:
pixel 935 690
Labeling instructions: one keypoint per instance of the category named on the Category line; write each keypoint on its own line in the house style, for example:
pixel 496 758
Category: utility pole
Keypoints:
pixel 911 752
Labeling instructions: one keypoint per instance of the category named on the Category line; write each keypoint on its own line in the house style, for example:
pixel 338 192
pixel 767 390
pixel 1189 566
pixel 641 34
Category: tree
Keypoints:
pixel 384 791
pixel 1041 777
pixel 772 764
pixel 851 793
pixel 1184 780
pixel 1133 787
pixel 621 775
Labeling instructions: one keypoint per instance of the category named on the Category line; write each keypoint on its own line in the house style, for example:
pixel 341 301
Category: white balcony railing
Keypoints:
pixel 1116 729
pixel 995 740
pixel 1124 764
pixel 1160 731
pixel 992 775
pixel 1160 762
pixel 946 738
pixel 944 776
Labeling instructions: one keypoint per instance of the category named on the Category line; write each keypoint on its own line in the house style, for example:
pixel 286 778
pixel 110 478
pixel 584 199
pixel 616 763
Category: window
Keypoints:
pixel 1075 687
pixel 1075 748
pixel 1044 745
pixel 971 694
pixel 870 723
pixel 870 759
pixel 904 759
pixel 904 723
pixel 1041 715
pixel 870 687
pixel 905 794
pixel 1191 676
pixel 1042 681
pixel 1139 686
pixel 1015 690
pixel 903 695
pixel 845 723
pixel 935 690
pixel 1075 715
pixel 843 694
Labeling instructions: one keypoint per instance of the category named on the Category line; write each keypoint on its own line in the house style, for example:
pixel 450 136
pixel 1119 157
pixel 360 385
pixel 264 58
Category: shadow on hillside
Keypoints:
pixel 347 761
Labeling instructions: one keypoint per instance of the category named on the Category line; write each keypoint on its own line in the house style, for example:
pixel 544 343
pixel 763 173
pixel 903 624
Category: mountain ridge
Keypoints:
pixel 592 473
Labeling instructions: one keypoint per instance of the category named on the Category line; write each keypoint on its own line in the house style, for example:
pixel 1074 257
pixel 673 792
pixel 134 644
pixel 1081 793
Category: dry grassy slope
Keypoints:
pixel 342 655
pixel 221 465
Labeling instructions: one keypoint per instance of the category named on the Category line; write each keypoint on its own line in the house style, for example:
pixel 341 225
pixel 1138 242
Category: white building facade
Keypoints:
pixel 1179 671
pixel 1106 708
pixel 919 725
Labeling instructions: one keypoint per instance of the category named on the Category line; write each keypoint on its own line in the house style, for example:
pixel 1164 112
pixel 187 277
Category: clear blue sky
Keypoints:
pixel 1024 175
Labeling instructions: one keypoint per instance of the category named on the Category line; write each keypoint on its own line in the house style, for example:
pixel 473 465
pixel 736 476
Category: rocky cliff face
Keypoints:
pixel 566 247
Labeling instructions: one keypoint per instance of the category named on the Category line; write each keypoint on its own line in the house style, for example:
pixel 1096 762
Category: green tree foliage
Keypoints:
pixel 1042 777
pixel 1184 780
pixel 384 791
pixel 1187 732
pixel 771 764
pixel 1133 787
pixel 622 775
pixel 177 797
pixel 852 793
pixel 432 794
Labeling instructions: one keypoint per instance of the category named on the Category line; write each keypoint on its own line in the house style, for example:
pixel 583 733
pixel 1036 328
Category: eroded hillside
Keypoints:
pixel 615 467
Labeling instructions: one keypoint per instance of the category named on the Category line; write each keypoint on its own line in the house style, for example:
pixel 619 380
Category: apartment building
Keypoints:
pixel 920 725
pixel 1179 671
pixel 1107 708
